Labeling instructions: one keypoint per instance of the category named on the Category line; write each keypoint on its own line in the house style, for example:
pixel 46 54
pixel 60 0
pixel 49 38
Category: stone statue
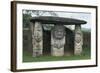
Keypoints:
pixel 58 40
pixel 78 40
pixel 37 40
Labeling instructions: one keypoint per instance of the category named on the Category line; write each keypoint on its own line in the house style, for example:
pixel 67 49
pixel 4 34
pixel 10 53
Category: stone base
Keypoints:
pixel 78 50
pixel 57 52
pixel 37 53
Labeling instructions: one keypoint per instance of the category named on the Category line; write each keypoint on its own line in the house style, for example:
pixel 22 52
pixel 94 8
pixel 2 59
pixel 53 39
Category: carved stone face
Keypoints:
pixel 38 33
pixel 58 32
pixel 78 38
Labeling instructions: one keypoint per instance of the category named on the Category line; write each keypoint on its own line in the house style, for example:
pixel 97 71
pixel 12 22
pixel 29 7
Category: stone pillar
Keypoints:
pixel 37 39
pixel 57 40
pixel 78 40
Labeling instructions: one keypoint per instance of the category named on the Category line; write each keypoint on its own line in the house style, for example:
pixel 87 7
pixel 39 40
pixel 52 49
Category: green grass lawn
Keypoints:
pixel 27 57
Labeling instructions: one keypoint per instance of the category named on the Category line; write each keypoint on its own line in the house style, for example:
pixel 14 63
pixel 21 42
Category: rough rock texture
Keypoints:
pixel 57 40
pixel 37 39
pixel 57 20
pixel 78 40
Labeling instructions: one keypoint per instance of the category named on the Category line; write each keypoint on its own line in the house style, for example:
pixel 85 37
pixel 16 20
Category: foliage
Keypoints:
pixel 86 38
pixel 26 20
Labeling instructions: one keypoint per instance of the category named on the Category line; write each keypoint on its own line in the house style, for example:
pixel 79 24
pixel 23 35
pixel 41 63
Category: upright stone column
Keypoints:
pixel 37 39
pixel 78 40
pixel 57 40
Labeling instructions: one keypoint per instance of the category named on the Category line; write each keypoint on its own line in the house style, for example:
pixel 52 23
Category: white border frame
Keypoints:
pixel 35 65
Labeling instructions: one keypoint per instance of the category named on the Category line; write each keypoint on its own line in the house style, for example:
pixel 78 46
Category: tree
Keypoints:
pixel 26 20
pixel 27 14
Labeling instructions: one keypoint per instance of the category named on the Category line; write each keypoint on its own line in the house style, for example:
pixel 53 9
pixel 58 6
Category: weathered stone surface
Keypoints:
pixel 78 40
pixel 57 40
pixel 37 39
pixel 57 20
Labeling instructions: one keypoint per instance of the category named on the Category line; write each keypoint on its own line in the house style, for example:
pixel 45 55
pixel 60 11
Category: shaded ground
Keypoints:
pixel 27 57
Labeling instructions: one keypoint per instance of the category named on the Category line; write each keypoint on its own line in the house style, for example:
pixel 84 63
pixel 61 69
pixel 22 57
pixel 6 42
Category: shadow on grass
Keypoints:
pixel 27 57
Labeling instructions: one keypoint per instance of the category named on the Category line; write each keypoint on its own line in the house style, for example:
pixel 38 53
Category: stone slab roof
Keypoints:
pixel 57 20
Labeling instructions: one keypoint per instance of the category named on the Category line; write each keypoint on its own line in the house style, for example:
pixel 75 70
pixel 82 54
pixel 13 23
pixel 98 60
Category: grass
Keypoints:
pixel 27 57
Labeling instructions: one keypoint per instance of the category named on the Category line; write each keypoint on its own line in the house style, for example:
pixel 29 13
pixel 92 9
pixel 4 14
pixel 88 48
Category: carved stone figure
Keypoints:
pixel 78 40
pixel 37 39
pixel 57 40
